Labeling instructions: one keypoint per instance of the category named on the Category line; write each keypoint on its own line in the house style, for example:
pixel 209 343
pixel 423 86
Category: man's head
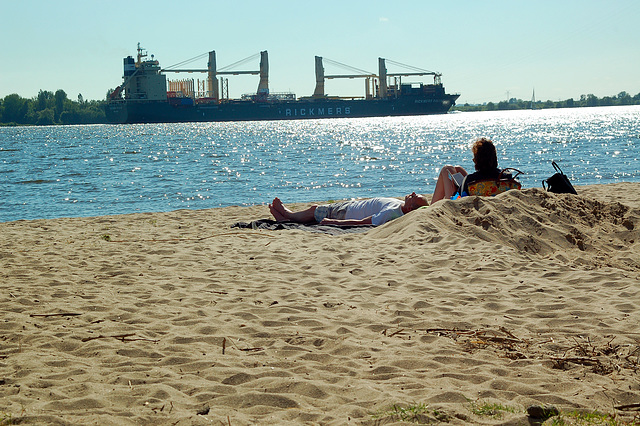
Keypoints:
pixel 414 201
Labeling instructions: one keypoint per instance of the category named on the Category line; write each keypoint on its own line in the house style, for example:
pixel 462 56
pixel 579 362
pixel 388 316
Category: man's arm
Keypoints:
pixel 347 222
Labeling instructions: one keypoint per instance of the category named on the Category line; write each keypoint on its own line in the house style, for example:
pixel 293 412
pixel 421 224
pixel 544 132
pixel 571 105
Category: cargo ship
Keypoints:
pixel 148 96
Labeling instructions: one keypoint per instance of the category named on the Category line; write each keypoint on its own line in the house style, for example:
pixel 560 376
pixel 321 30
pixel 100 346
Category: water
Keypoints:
pixel 50 172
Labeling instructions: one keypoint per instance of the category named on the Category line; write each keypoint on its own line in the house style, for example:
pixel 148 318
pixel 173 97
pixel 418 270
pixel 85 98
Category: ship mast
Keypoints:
pixel 141 54
pixel 212 77
pixel 263 85
pixel 382 72
pixel 319 90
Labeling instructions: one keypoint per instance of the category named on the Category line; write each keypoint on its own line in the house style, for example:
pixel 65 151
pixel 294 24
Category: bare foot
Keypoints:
pixel 280 207
pixel 276 214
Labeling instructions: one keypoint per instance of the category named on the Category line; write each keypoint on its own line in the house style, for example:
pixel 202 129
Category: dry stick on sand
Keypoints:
pixel 629 407
pixel 60 314
pixel 396 332
pixel 121 337
pixel 224 346
pixel 482 334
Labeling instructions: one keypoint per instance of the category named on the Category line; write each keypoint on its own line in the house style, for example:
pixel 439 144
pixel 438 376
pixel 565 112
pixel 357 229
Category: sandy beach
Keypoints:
pixel 178 319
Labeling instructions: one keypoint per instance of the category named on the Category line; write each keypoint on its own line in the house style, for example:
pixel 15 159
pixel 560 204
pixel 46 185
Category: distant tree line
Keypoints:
pixel 623 98
pixel 50 108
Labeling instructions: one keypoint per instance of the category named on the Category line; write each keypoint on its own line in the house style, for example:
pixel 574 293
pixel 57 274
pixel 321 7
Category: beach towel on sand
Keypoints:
pixel 325 229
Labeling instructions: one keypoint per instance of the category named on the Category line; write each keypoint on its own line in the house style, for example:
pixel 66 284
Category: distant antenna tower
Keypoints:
pixel 533 98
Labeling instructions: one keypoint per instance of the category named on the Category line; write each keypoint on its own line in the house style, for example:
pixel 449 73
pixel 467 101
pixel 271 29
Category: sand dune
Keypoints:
pixel 174 318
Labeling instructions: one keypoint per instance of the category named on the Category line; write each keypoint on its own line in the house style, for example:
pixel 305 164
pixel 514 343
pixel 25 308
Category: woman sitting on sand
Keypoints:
pixel 374 211
pixel 485 160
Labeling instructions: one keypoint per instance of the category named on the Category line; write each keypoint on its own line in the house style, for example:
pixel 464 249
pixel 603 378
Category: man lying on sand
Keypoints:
pixel 374 211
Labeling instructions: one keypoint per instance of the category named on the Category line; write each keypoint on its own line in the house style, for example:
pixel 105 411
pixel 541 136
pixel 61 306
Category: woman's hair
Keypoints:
pixel 484 155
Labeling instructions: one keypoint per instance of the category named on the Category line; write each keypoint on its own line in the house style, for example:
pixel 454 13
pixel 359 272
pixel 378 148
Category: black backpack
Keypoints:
pixel 559 182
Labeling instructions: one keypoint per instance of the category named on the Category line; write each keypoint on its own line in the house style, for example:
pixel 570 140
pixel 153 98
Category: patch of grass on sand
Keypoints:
pixel 576 418
pixel 10 419
pixel 6 419
pixel 491 409
pixel 413 413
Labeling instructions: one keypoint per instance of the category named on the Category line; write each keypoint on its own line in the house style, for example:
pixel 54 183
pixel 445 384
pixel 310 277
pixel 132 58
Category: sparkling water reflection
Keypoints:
pixel 51 172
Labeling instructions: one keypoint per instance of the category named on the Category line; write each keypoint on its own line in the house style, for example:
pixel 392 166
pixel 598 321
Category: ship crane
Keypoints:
pixel 213 73
pixel 416 71
pixel 320 77
pixel 382 77
pixel 382 69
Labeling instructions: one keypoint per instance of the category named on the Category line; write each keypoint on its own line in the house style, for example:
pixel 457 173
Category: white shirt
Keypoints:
pixel 381 210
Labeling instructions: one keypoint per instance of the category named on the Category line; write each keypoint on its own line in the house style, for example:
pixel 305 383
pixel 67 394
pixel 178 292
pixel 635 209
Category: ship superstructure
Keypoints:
pixel 147 96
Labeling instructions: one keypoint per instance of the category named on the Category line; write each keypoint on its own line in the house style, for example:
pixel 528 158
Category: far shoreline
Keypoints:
pixel 455 110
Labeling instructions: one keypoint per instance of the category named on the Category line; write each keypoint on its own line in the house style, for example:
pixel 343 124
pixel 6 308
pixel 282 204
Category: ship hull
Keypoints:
pixel 129 112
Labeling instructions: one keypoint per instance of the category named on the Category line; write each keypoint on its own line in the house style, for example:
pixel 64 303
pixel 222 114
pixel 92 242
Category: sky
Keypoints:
pixel 487 51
